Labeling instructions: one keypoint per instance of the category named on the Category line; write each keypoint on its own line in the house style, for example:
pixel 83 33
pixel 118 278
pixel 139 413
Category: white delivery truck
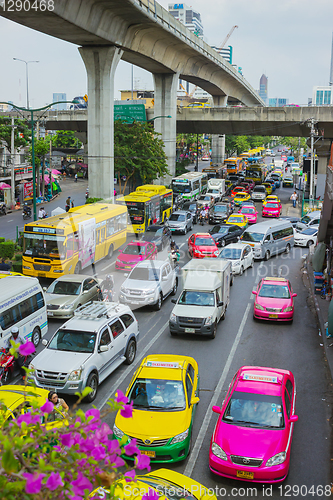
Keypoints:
pixel 216 188
pixel 204 299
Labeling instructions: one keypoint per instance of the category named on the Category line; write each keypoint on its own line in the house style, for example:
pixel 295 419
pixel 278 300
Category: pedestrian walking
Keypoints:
pixel 75 178
pixel 72 204
pixel 293 198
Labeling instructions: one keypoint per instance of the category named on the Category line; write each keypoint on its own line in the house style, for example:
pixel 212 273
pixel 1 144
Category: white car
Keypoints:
pixel 307 237
pixel 259 193
pixel 240 256
pixel 149 283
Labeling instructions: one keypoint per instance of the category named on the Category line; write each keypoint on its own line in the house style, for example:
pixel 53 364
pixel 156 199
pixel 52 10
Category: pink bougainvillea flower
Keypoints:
pixel 54 481
pixel 131 448
pixel 120 397
pixel 47 407
pixel 26 349
pixel 34 482
pixel 28 419
pixel 129 475
pixel 98 453
pixel 151 495
pixel 67 440
pixel 80 484
pixel 113 446
pixel 94 413
pixel 142 462
pixel 127 411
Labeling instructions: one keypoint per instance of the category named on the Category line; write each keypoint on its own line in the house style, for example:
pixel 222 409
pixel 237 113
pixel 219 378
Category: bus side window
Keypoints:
pixel 109 227
pixel 70 245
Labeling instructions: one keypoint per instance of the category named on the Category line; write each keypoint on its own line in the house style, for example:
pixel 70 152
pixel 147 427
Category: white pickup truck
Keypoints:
pixel 204 299
pixel 216 188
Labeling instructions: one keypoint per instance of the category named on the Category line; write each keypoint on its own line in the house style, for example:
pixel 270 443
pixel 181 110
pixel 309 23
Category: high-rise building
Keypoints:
pixel 331 71
pixel 322 96
pixel 278 102
pixel 263 88
pixel 59 97
pixel 187 16
pixel 225 52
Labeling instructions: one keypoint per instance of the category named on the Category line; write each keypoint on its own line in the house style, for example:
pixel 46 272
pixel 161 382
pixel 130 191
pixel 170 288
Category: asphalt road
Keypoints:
pixel 240 340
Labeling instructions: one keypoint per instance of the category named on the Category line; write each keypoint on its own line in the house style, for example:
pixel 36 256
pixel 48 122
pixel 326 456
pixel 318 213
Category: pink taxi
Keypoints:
pixel 271 209
pixel 135 252
pixel 274 300
pixel 250 212
pixel 253 434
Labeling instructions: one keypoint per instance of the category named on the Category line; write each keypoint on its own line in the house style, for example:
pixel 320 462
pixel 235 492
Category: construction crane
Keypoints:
pixel 227 37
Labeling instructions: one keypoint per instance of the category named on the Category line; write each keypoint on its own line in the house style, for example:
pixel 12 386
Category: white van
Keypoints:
pixel 269 238
pixel 22 304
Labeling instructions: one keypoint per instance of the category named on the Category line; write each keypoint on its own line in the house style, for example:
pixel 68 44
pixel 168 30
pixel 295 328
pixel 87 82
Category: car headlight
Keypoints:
pixel 235 262
pixel 75 374
pixel 180 437
pixel 216 252
pixel 147 292
pixel 209 320
pixel 58 271
pixel 218 452
pixel 117 432
pixel 288 309
pixel 173 318
pixel 68 306
pixel 278 459
pixel 26 267
pixel 258 306
pixel 32 367
pixel 124 290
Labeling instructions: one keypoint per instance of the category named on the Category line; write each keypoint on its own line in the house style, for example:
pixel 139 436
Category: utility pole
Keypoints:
pixel 12 150
pixel 197 159
pixel 312 134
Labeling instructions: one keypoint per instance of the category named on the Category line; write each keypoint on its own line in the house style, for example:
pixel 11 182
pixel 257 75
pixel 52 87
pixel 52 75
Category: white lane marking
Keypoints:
pixel 182 244
pixel 257 279
pixel 11 220
pixel 216 395
pixel 109 265
pixel 130 368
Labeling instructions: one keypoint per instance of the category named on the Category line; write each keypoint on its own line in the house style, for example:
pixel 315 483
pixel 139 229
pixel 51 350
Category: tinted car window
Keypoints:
pixel 127 319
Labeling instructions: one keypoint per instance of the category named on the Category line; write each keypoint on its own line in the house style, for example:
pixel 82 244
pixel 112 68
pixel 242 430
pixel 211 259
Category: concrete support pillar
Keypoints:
pixel 101 64
pixel 165 104
pixel 218 141
pixel 321 176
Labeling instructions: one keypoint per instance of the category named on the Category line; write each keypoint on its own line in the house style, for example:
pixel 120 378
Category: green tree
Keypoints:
pixel 66 139
pixel 293 143
pixel 242 144
pixel 41 147
pixel 138 150
pixel 22 134
pixel 230 145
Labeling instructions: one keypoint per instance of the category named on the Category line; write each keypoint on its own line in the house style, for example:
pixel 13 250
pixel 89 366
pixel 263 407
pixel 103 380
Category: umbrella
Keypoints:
pixel 55 172
pixel 3 185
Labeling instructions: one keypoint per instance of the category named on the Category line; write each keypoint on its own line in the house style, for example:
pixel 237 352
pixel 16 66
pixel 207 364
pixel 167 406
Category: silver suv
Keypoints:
pixel 149 283
pixel 86 349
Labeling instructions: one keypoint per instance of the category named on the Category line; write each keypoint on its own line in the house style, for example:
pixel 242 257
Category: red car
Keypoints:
pixel 271 209
pixel 135 252
pixel 202 245
pixel 236 190
pixel 246 187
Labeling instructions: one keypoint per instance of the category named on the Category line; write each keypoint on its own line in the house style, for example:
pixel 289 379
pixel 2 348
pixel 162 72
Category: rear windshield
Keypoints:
pixel 177 218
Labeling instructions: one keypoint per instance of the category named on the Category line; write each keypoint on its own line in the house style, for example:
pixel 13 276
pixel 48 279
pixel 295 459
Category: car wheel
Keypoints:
pixel 287 248
pixel 309 243
pixel 92 382
pixel 130 352
pixel 241 271
pixel 213 334
pixel 222 243
pixel 174 290
pixel 267 255
pixel 77 269
pixel 35 337
pixel 158 304
pixel 110 252
pixel 173 334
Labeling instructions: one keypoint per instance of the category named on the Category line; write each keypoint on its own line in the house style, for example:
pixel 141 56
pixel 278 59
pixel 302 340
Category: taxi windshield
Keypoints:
pixel 135 250
pixel 235 219
pixel 272 205
pixel 167 489
pixel 156 394
pixel 254 410
pixel 274 291
pixel 248 210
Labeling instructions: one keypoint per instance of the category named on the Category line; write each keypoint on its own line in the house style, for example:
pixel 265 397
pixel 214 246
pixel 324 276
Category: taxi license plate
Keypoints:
pixel 172 228
pixel 42 275
pixel 149 453
pixel 189 330
pixel 273 316
pixel 127 267
pixel 244 474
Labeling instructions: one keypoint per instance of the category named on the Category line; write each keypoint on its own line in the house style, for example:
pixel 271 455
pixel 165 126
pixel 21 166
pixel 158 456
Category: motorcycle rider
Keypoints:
pixel 107 286
pixel 41 213
pixel 26 210
pixel 16 337
pixel 174 254
pixel 87 193
pixel 202 215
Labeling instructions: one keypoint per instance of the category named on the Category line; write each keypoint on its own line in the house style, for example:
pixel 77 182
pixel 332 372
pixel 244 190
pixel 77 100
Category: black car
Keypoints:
pixel 220 212
pixel 224 234
pixel 158 234
pixel 191 206
pixel 234 178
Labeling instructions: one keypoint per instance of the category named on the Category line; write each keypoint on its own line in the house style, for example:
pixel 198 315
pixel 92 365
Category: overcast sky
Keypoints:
pixel 289 41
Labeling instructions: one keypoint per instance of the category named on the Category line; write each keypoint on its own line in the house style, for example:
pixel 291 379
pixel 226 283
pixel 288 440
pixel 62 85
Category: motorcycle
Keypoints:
pixel 87 194
pixel 202 219
pixel 107 295
pixel 7 366
pixel 26 212
pixel 3 209
pixel 174 259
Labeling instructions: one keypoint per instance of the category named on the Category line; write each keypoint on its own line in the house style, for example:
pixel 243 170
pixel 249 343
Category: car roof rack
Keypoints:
pixel 97 310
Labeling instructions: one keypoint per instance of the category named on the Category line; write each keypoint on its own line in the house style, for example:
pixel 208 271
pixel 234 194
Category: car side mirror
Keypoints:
pixel 103 348
pixel 44 342
pixel 293 418
pixel 44 288
pixel 195 400
pixel 164 278
pixel 294 294
pixel 220 303
pixel 125 275
pixel 254 292
pixel 217 409
pixel 119 250
pixel 174 301
pixel 85 291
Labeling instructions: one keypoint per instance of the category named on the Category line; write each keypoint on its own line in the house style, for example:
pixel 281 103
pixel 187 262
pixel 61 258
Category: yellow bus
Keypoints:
pixel 233 164
pixel 149 204
pixel 69 242
pixel 215 172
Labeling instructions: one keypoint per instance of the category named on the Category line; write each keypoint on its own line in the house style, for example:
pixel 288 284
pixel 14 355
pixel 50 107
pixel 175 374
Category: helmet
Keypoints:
pixel 173 243
pixel 14 331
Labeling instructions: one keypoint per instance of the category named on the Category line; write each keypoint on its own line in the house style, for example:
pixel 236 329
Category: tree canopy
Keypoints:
pixel 22 134
pixel 66 139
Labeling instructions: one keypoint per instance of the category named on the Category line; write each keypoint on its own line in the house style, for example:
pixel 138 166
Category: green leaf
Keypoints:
pixel 9 462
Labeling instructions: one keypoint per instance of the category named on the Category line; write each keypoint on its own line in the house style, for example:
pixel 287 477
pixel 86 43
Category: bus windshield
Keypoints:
pixel 136 212
pixel 181 187
pixel 44 245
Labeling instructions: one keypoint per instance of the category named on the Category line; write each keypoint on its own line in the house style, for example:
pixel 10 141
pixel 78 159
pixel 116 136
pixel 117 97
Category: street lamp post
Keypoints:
pixel 32 111
pixel 26 74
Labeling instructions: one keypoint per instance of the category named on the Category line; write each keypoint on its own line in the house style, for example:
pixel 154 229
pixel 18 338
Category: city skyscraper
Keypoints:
pixel 187 16
pixel 263 88
pixel 58 96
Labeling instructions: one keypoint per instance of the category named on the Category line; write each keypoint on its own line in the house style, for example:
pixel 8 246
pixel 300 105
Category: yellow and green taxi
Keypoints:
pixel 165 483
pixel 272 197
pixel 19 399
pixel 164 394
pixel 5 274
pixel 268 187
pixel 240 197
pixel 238 220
